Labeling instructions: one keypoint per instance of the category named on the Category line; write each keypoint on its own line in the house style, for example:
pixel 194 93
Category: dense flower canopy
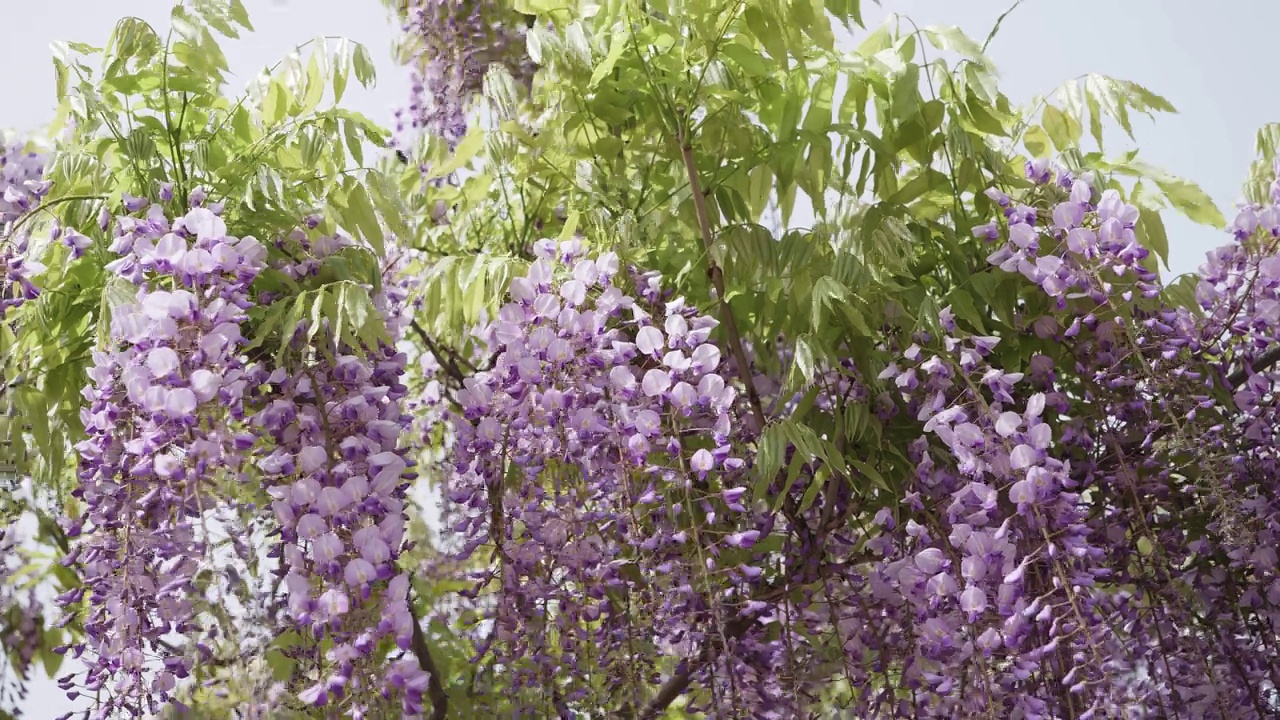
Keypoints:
pixel 1047 539
pixel 574 434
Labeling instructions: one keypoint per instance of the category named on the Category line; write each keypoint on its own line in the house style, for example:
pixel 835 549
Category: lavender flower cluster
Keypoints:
pixel 1088 535
pixel 453 43
pixel 338 479
pixel 166 399
pixel 617 401
pixel 177 419
pixel 22 181
pixel 21 624
pixel 22 187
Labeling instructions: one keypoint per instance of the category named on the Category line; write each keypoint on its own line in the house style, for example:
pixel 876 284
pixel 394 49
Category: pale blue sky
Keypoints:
pixel 1211 63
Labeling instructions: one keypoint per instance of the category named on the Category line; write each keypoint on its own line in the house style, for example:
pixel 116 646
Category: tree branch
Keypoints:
pixel 678 683
pixel 1264 362
pixel 675 686
pixel 448 361
pixel 435 689
pixel 717 280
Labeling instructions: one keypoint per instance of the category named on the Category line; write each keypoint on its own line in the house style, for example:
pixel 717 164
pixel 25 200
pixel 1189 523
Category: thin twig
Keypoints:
pixel 1264 362
pixel 996 28
pixel 447 361
pixel 676 685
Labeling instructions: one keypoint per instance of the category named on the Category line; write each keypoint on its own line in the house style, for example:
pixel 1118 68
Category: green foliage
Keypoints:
pixel 841 186
pixel 150 108
pixel 835 190
pixel 147 109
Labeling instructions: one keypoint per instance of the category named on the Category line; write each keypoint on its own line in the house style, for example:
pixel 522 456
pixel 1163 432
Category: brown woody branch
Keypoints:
pixel 1265 362
pixel 435 689
pixel 676 685
pixel 717 279
pixel 448 360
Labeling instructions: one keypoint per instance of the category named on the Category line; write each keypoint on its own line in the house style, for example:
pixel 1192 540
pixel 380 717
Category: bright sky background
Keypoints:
pixel 1205 61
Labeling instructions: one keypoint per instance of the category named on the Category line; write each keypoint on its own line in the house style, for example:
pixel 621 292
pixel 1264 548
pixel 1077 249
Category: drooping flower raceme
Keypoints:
pixel 22 182
pixel 1079 530
pixel 21 625
pixel 338 478
pixel 22 186
pixel 452 44
pixel 640 536
pixel 164 404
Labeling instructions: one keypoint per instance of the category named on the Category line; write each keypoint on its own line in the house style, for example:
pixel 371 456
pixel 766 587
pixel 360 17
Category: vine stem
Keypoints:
pixel 44 207
pixel 679 682
pixel 717 280
pixel 435 688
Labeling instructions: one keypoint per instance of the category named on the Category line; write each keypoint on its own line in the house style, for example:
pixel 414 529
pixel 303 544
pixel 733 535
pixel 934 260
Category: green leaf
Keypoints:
pixel 820 97
pixel 1145 546
pixel 766 31
pixel 871 473
pixel 467 149
pixel 341 73
pixel 951 37
pixel 52 661
pixel 1141 98
pixel 963 307
pixel 275 107
pixel 816 484
pixel 770 454
pixel 1190 200
pixel 281 665
pixel 980 114
pixel 1095 117
pixel 314 85
pixel 540 7
pixel 922 183
pixel 1182 294
pixel 804 360
pixel 906 91
pixel 617 46
pixel 354 145
pixel 748 60
pixel 1037 141
pixel 1059 128
pixel 827 292
pixel 1151 233
pixel 240 15
pixel 363 63
pixel 854 101
pixel 365 217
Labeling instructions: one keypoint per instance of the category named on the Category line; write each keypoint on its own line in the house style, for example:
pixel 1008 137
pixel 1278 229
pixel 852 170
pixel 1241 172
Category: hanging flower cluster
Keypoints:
pixel 1088 535
pixel 338 479
pixel 21 626
pixel 452 45
pixel 640 532
pixel 22 183
pixel 178 417
pixel 989 578
pixel 1076 551
pixel 22 186
pixel 161 422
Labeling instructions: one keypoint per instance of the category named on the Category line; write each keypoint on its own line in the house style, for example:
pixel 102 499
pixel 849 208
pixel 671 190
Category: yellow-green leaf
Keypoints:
pixel 1037 141
pixel 617 45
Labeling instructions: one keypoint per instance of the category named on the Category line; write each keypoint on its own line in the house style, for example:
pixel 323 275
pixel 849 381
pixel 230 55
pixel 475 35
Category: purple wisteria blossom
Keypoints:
pixel 163 423
pixel 22 187
pixel 452 44
pixel 615 400
pixel 337 477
